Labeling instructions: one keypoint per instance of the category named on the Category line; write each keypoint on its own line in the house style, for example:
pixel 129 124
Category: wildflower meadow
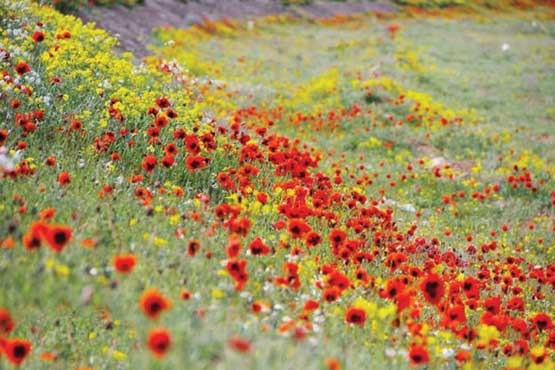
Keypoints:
pixel 364 191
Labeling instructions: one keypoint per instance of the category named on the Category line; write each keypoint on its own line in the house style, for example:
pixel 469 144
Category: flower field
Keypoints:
pixel 356 192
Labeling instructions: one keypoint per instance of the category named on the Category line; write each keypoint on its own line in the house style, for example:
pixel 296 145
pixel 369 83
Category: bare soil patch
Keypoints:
pixel 133 26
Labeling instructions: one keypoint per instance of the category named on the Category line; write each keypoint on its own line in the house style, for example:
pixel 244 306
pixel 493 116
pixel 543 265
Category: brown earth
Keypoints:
pixel 133 26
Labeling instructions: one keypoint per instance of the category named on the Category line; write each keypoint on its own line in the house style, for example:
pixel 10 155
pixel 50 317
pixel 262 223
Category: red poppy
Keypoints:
pixel 159 342
pixel 22 68
pixel 196 162
pixel 337 237
pixel 153 303
pixel 125 263
pixel 38 36
pixel 16 350
pixel 257 247
pixel 233 247
pixel 298 228
pixel 6 322
pixel 193 247
pixel 542 321
pixel 57 236
pixel 471 288
pixel 355 316
pixel 333 364
pixel 32 240
pixel 312 239
pixel 237 269
pixel 3 136
pixel 64 178
pixel 239 344
pixel 185 294
pixel 432 288
pixel 331 294
pixel 47 213
pixel 161 121
pixel 76 125
pixel 149 163
pixel 311 305
pixel 192 144
pixel 163 102
pixel 418 355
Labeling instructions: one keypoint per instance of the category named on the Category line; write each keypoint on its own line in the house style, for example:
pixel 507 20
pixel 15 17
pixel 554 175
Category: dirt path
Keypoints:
pixel 133 26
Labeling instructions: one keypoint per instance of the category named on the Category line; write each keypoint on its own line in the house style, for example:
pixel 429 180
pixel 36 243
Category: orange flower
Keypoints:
pixel 153 303
pixel 57 236
pixel 47 213
pixel 88 243
pixel 32 240
pixel 125 263
pixel 64 179
pixel 17 350
pixel 48 356
pixel 159 342
pixel 185 294
pixel 332 364
pixel 7 243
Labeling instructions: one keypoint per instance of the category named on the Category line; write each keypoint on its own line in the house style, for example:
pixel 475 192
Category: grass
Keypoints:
pixel 398 132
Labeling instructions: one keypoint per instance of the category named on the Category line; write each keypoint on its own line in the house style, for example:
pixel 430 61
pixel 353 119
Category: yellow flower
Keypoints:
pixel 217 293
pixel 120 356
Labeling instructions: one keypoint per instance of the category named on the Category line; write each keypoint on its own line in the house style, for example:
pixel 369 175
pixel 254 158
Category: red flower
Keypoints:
pixel 331 294
pixel 418 355
pixel 239 344
pixel 6 322
pixel 185 294
pixel 163 102
pixel 153 303
pixel 233 247
pixel 237 269
pixel 312 239
pixel 32 240
pixel 196 162
pixel 149 163
pixel 193 247
pixel 257 246
pixel 542 321
pixel 311 305
pixel 337 237
pixel 3 136
pixel 355 316
pixel 22 68
pixel 168 161
pixel 17 350
pixel 298 228
pixel 159 342
pixel 161 121
pixel 192 144
pixel 57 236
pixel 432 288
pixel 125 263
pixel 38 36
pixel 64 178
